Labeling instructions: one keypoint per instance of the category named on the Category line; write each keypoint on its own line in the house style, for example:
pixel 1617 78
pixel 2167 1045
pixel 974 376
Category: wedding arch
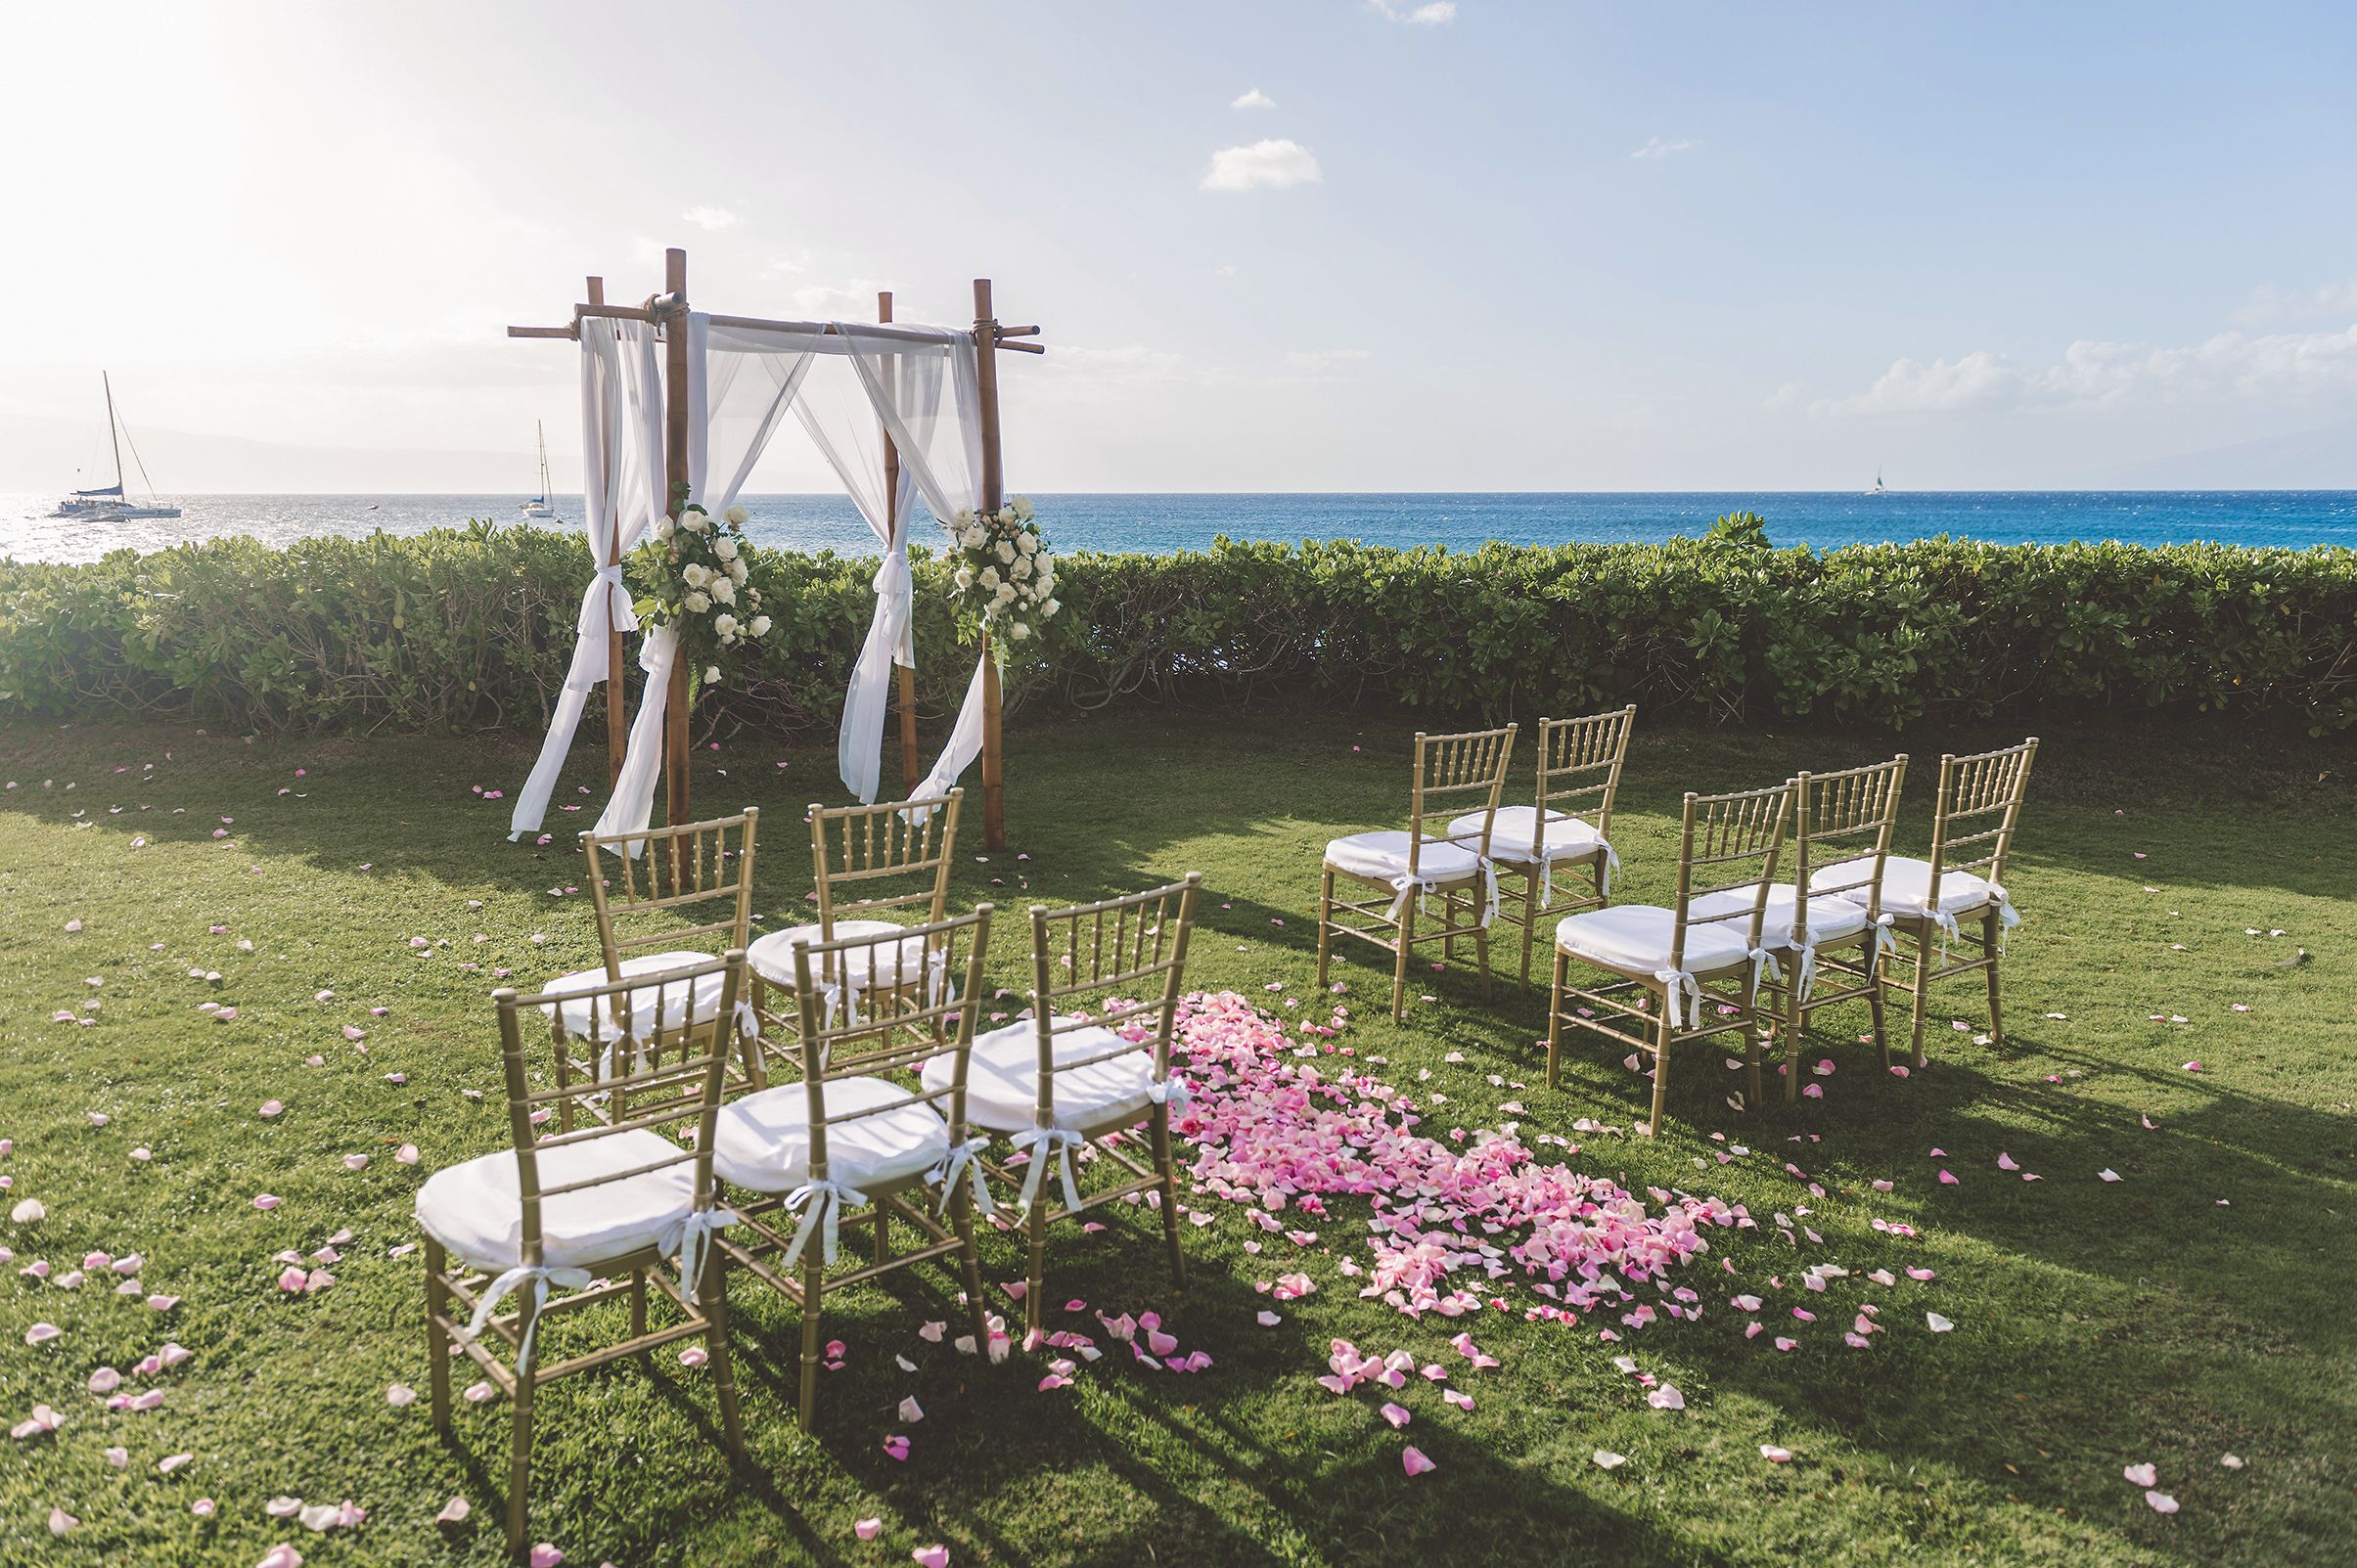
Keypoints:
pixel 677 406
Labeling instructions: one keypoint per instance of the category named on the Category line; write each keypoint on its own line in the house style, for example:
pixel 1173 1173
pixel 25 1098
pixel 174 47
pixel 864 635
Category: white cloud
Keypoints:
pixel 711 217
pixel 1322 361
pixel 2268 303
pixel 1273 165
pixel 2100 374
pixel 1255 99
pixel 821 302
pixel 1656 147
pixel 1437 13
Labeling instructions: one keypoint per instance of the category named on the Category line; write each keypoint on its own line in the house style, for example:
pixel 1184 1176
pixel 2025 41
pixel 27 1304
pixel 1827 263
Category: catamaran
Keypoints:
pixel 1879 488
pixel 108 503
pixel 538 506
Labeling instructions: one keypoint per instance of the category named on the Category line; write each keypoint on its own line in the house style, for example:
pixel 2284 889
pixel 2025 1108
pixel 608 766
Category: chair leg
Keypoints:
pixel 1406 934
pixel 1989 937
pixel 883 1235
pixel 1923 992
pixel 1170 1218
pixel 1480 944
pixel 437 1343
pixel 814 1286
pixel 713 1301
pixel 1555 1017
pixel 1753 1034
pixel 1448 926
pixel 971 1266
pixel 520 1441
pixel 1530 918
pixel 1795 1025
pixel 638 1302
pixel 1324 926
pixel 1665 1033
pixel 1036 1277
pixel 1873 1006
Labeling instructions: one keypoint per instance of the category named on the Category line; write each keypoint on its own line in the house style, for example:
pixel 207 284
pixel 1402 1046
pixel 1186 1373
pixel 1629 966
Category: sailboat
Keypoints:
pixel 1879 488
pixel 538 506
pixel 108 503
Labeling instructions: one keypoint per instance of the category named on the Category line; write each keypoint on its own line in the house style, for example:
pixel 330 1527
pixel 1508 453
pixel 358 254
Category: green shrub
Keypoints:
pixel 469 628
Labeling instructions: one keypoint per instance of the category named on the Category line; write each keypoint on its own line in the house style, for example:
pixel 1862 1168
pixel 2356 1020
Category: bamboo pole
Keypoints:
pixel 617 716
pixel 675 471
pixel 905 675
pixel 985 348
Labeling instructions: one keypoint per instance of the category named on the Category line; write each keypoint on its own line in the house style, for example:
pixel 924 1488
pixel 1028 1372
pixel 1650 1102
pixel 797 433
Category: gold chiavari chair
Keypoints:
pixel 601 1202
pixel 647 880
pixel 1091 1063
pixel 1451 771
pixel 1959 894
pixel 1842 824
pixel 862 1130
pixel 1675 959
pixel 1579 780
pixel 874 866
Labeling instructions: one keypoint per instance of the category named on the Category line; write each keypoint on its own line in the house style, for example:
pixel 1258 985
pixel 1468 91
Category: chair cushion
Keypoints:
pixel 1637 936
pixel 1001 1079
pixel 1907 885
pixel 475 1209
pixel 763 1141
pixel 1510 836
pixel 1831 918
pixel 772 955
pixel 1385 857
pixel 702 997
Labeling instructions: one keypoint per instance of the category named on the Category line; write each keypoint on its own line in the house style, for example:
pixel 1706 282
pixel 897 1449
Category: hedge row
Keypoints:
pixel 469 628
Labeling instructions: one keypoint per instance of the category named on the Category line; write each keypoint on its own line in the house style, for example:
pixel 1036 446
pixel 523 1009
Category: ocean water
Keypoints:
pixel 1159 524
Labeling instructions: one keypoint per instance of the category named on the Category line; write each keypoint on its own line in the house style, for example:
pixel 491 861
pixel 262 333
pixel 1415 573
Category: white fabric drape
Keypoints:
pixel 621 482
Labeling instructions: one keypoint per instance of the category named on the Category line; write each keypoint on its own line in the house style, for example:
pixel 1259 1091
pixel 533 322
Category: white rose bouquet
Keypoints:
pixel 691 574
pixel 1004 576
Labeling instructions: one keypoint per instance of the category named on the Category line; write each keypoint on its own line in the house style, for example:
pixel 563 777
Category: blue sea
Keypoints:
pixel 1159 524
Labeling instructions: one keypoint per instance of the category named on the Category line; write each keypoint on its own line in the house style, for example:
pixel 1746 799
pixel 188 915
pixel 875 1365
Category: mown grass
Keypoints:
pixel 2199 1306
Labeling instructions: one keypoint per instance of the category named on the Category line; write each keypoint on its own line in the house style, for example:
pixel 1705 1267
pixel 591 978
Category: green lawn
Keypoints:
pixel 2199 1306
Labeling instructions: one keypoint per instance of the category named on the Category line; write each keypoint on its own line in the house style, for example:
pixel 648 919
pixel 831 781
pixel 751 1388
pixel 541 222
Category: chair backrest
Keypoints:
pixel 1579 770
pixel 905 1019
pixel 1457 774
pixel 1728 843
pixel 690 867
pixel 1973 820
pixel 1127 957
pixel 1844 819
pixel 653 1080
pixel 904 844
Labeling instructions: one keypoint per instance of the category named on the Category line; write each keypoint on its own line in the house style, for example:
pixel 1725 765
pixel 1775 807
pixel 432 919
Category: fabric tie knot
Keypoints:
pixel 1049 1146
pixel 689 1238
pixel 1683 991
pixel 606 603
pixel 1547 857
pixel 964 1159
pixel 539 1278
pixel 1171 1093
pixel 1764 959
pixel 821 1203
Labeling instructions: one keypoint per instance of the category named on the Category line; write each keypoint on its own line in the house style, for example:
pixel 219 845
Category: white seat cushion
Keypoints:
pixel 763 1141
pixel 702 997
pixel 772 955
pixel 1906 886
pixel 1510 836
pixel 1831 918
pixel 476 1212
pixel 1385 857
pixel 1636 937
pixel 1001 1079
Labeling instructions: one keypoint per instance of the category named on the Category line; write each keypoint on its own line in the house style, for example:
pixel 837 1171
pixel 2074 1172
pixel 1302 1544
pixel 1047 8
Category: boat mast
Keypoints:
pixel 114 433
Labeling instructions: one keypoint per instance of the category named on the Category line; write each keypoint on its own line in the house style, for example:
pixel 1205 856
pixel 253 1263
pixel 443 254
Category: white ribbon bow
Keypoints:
pixel 1885 940
pixel 539 1278
pixel 606 605
pixel 1171 1093
pixel 1423 888
pixel 964 1159
pixel 687 1239
pixel 1762 959
pixel 1049 1146
pixel 1548 858
pixel 1682 989
pixel 822 1203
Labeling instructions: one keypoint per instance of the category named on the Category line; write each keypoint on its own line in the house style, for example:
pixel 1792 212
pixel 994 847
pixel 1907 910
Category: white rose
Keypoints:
pixel 1051 608
pixel 725 624
pixel 739 517
pixel 1005 593
pixel 1022 565
pixel 1005 551
pixel 1021 508
pixel 963 517
pixel 1027 542
pixel 752 597
pixel 724 591
pixel 964 579
pixel 989 576
pixel 760 626
pixel 711 675
pixel 1019 631
pixel 724 547
pixel 694 574
pixel 697 604
pixel 696 522
pixel 736 572
pixel 665 528
pixel 973 538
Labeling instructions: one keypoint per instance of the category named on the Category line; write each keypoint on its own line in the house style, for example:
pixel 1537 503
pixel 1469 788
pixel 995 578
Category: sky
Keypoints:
pixel 1275 245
